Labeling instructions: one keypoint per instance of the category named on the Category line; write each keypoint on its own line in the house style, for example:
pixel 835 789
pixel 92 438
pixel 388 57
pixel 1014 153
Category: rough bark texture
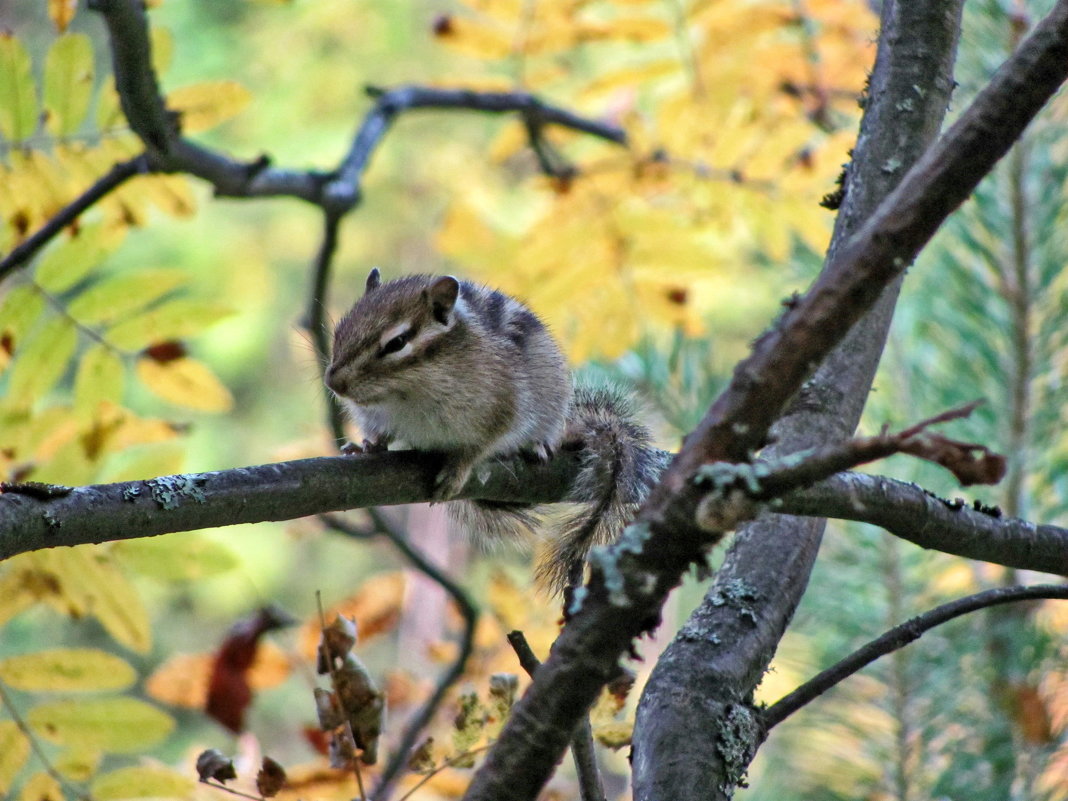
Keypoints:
pixel 709 672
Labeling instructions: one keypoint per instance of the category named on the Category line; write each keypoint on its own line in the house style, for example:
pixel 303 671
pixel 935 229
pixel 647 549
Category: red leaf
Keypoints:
pixel 163 352
pixel 229 693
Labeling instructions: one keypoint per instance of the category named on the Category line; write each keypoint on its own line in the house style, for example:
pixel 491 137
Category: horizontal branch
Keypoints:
pixel 336 191
pixel 955 527
pixel 898 637
pixel 35 516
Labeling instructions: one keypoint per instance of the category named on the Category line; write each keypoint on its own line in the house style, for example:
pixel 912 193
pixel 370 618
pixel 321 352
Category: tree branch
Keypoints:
pixel 898 637
pixel 955 527
pixel 336 192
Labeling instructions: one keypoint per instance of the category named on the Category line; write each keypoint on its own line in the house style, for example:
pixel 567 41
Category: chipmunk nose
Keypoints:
pixel 333 380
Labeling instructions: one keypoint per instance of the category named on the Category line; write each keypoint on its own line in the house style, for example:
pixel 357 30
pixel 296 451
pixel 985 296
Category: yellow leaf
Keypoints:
pixel 614 735
pixel 85 581
pixel 176 557
pixel 629 29
pixel 19 590
pixel 71 260
pixel 67 670
pixel 120 295
pixel 120 724
pixel 62 12
pixel 68 83
pixel 42 361
pixel 99 378
pixel 14 749
pixel 175 319
pixel 205 105
pixel 141 782
pixel 18 97
pixel 185 382
pixel 41 787
pixel 631 77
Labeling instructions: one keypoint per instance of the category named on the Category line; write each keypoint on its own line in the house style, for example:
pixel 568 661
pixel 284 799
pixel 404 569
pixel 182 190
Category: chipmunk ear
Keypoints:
pixel 374 280
pixel 442 296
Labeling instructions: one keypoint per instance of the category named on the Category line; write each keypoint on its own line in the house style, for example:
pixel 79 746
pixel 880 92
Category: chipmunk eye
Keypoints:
pixel 394 344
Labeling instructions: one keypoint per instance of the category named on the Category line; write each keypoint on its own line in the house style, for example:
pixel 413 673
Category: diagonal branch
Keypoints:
pixel 899 637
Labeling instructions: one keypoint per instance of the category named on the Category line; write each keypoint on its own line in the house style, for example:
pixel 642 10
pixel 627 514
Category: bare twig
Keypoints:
pixel 898 637
pixel 591 787
pixel 315 318
pixel 116 176
pixel 468 611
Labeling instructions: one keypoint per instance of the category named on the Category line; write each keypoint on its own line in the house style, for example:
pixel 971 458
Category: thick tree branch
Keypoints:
pixel 35 516
pixel 898 637
pixel 591 787
pixel 631 579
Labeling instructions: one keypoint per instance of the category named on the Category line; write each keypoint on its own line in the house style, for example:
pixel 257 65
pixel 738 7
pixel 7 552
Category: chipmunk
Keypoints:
pixel 452 366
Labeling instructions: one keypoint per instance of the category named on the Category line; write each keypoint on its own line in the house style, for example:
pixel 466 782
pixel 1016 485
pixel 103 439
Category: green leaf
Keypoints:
pixel 175 319
pixel 99 378
pixel 108 108
pixel 182 557
pixel 42 362
pixel 68 83
pixel 141 782
pixel 78 764
pixel 68 262
pixel 121 295
pixel 118 724
pixel 14 750
pixel 18 98
pixel 67 670
pixel 19 310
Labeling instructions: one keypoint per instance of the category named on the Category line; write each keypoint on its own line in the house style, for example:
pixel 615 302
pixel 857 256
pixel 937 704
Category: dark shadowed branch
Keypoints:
pixel 899 637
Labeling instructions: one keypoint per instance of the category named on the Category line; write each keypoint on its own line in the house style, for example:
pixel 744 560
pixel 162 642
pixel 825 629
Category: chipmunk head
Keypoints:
pixel 385 343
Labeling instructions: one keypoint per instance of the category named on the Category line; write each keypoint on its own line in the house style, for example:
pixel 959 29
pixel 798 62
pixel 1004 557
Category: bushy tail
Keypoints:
pixel 489 524
pixel 619 467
